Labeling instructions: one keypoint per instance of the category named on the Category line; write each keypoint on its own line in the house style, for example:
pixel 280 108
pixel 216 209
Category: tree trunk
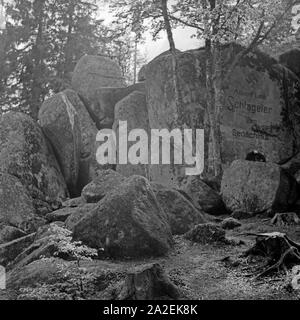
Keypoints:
pixel 278 249
pixel 37 51
pixel 148 282
pixel 214 92
pixel 68 67
pixel 218 99
pixel 178 99
pixel 135 61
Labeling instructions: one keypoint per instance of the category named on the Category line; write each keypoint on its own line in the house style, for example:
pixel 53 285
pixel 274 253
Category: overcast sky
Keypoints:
pixel 182 38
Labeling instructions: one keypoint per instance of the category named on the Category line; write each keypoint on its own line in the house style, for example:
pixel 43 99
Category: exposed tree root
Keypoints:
pixel 280 251
pixel 283 219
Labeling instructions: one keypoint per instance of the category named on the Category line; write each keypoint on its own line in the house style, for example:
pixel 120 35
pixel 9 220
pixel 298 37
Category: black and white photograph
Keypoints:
pixel 149 151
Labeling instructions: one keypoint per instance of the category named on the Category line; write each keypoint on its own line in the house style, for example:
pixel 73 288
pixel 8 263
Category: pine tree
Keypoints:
pixel 43 41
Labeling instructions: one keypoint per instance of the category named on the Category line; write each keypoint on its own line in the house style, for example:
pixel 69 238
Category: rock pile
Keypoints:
pixel 134 211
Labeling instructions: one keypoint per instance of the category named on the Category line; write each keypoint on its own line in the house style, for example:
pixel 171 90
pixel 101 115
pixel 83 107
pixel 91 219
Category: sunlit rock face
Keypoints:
pixel 259 111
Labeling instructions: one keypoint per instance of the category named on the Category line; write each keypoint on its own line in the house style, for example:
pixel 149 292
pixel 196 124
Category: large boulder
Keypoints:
pixel 203 196
pixel 128 222
pixel 181 213
pixel 26 154
pixel 93 72
pixel 161 104
pixel 255 187
pixel 16 207
pixel 260 107
pixel 103 184
pixel 61 124
pixel 87 162
pixel 142 72
pixel 133 110
pixel 102 103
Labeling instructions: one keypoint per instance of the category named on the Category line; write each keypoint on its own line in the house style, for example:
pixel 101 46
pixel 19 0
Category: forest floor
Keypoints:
pixel 200 273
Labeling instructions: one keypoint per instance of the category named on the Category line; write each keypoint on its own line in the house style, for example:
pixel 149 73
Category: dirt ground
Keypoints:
pixel 206 277
pixel 200 273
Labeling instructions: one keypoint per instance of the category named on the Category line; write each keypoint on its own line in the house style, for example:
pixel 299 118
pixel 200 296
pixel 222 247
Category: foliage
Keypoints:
pixel 42 43
pixel 44 292
pixel 67 247
pixel 229 20
pixel 76 279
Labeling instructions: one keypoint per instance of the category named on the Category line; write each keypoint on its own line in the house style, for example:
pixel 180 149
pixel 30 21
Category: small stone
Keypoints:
pixel 230 223
pixel 206 234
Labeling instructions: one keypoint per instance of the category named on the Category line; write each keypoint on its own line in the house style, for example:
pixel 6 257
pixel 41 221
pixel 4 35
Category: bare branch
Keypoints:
pixel 188 24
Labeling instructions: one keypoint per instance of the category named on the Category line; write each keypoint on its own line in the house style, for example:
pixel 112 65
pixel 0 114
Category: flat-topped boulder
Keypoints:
pixel 260 109
pixel 26 154
pixel 260 106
